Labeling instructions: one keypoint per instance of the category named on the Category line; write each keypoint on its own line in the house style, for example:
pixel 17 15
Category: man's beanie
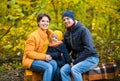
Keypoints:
pixel 69 13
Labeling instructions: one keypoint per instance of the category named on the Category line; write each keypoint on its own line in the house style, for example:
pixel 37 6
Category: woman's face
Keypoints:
pixel 68 21
pixel 44 23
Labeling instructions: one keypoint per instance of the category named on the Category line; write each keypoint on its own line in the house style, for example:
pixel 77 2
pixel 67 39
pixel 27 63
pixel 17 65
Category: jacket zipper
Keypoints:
pixel 71 42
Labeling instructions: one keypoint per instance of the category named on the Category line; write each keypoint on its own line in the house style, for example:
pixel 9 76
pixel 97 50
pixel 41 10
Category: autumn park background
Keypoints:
pixel 18 19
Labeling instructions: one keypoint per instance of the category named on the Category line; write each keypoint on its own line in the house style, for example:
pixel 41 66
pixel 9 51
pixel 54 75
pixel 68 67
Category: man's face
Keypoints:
pixel 68 21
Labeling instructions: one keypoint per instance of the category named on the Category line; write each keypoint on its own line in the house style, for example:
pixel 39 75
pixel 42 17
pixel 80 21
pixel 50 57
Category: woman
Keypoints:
pixel 35 56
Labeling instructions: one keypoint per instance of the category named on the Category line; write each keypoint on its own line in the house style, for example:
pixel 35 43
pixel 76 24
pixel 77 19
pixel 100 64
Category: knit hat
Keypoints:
pixel 69 13
pixel 59 34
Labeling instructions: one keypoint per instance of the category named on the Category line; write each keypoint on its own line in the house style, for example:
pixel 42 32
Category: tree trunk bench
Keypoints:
pixel 32 76
pixel 108 71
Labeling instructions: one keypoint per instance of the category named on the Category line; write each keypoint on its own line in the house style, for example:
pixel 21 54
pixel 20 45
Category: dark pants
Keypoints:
pixel 57 76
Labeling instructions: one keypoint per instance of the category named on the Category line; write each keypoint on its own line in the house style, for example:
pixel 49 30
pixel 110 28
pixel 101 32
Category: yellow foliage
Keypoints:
pixel 100 16
pixel 67 1
pixel 26 2
pixel 76 1
pixel 109 58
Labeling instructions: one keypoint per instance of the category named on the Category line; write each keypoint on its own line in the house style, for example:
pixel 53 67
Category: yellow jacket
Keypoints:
pixel 36 47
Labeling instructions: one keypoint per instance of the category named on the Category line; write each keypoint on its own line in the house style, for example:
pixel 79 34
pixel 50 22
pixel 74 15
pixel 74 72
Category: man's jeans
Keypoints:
pixel 49 68
pixel 78 69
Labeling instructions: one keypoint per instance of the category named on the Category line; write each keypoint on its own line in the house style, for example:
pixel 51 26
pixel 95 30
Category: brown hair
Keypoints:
pixel 40 16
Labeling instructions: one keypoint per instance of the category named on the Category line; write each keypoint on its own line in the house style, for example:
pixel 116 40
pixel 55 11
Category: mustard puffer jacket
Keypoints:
pixel 36 47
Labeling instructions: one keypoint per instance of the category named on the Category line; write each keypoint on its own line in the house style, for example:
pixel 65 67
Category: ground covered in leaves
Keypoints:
pixel 15 75
pixel 11 72
pixel 18 75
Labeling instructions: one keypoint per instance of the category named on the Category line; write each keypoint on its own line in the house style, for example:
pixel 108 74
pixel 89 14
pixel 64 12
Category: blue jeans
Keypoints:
pixel 49 68
pixel 78 69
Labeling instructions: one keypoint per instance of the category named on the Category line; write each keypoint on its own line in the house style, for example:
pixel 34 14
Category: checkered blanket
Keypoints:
pixel 107 71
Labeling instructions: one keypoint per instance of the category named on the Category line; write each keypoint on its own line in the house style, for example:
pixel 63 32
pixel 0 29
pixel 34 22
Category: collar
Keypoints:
pixel 55 44
pixel 70 28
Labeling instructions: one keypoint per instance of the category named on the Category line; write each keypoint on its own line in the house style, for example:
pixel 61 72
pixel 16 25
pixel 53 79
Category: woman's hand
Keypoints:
pixel 48 58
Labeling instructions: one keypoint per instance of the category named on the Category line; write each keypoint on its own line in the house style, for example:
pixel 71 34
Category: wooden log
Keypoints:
pixel 32 76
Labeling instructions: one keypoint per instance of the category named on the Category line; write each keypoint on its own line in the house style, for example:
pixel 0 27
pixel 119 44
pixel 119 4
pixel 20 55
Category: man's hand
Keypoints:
pixel 71 64
pixel 48 58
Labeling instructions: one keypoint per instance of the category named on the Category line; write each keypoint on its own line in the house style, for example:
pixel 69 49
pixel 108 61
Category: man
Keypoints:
pixel 79 43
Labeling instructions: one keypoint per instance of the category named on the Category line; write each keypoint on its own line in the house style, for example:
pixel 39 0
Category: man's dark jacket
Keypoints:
pixel 79 41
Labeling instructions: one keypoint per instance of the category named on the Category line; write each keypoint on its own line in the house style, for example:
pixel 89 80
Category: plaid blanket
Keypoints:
pixel 107 71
